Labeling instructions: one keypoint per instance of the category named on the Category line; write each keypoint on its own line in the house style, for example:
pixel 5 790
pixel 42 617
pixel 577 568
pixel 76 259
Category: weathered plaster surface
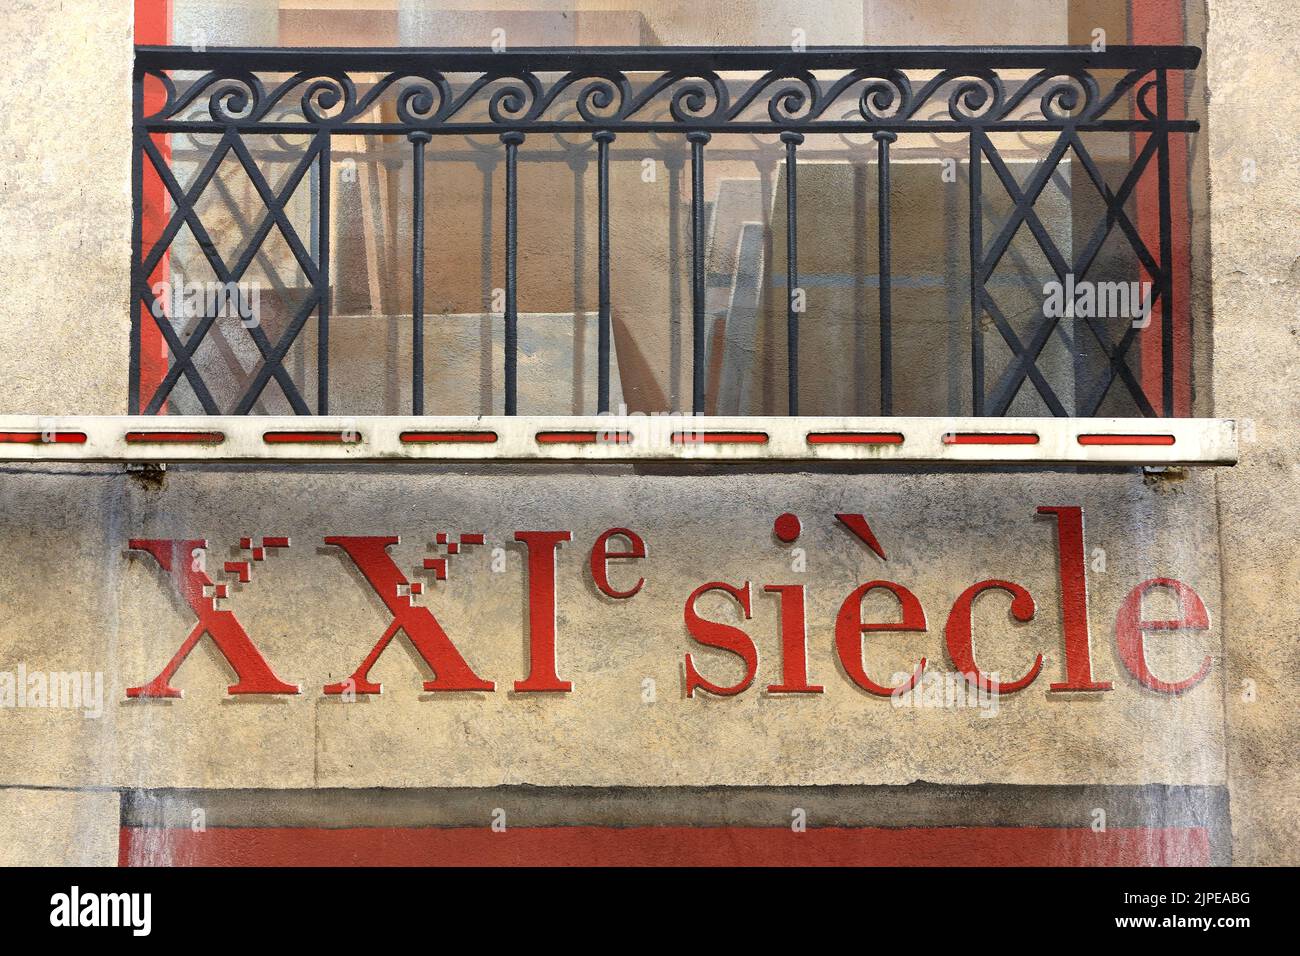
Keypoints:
pixel 58 827
pixel 1256 237
pixel 65 206
pixel 315 620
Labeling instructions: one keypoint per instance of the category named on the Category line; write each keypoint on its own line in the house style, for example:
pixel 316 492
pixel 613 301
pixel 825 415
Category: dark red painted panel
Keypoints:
pixel 1155 22
pixel 153 26
pixel 665 846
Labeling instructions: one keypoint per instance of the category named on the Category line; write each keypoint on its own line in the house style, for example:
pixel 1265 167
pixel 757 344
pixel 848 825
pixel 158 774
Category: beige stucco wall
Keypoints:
pixel 65 206
pixel 58 827
pixel 1256 236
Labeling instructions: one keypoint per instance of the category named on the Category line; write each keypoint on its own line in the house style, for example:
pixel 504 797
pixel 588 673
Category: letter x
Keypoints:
pixel 451 672
pixel 178 559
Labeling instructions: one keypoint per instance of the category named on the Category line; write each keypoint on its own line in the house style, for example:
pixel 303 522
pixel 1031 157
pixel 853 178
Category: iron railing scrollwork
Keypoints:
pixel 236 95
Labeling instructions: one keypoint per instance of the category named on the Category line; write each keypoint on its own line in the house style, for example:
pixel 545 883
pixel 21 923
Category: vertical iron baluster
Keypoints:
pixel 792 141
pixel 487 165
pixel 673 165
pixel 860 272
pixel 976 270
pixel 883 139
pixel 603 138
pixel 1166 248
pixel 418 140
pixel 767 191
pixel 512 140
pixel 697 139
pixel 313 198
pixel 323 269
pixel 137 243
pixel 578 162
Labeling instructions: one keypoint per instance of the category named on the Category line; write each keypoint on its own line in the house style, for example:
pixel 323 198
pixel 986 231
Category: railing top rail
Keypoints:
pixel 663 89
pixel 632 59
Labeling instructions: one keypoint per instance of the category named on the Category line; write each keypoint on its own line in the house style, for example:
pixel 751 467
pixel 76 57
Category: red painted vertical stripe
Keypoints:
pixel 1162 22
pixel 153 27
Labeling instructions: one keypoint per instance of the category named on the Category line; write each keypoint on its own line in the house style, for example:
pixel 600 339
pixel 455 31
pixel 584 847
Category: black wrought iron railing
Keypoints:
pixel 234 102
